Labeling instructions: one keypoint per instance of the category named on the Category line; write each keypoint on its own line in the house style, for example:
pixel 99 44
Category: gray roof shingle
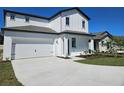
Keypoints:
pixel 100 35
pixel 31 28
pixel 48 30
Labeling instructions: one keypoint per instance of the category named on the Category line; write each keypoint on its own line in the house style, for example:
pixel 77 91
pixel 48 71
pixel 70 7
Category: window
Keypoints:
pixel 108 45
pixel 26 19
pixel 83 24
pixel 73 42
pixel 89 41
pixel 12 16
pixel 102 43
pixel 67 21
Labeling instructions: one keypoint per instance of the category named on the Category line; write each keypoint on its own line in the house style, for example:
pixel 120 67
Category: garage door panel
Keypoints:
pixel 32 50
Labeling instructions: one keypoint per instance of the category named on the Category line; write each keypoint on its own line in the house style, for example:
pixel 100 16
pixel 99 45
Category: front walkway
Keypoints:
pixel 57 71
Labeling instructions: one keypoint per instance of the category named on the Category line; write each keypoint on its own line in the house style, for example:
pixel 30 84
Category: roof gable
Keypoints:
pixel 26 14
pixel 66 10
pixel 101 35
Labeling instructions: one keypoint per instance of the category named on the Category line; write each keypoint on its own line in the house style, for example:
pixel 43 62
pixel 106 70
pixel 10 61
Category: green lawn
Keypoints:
pixel 109 61
pixel 7 76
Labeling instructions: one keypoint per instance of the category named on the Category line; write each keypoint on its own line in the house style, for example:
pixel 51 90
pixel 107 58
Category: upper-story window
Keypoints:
pixel 83 24
pixel 12 16
pixel 27 18
pixel 67 21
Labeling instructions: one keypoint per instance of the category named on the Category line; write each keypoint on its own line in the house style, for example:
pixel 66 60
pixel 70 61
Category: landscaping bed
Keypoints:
pixel 101 55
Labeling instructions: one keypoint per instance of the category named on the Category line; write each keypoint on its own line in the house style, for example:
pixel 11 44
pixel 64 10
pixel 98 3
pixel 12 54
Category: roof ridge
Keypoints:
pixel 28 14
pixel 48 18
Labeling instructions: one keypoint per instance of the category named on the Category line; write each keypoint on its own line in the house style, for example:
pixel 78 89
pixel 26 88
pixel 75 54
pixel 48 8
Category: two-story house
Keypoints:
pixel 63 34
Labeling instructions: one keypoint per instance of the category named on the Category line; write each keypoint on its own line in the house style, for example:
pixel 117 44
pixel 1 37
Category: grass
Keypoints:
pixel 7 76
pixel 108 61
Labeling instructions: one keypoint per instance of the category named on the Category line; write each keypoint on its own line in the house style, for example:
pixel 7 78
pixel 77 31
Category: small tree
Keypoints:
pixel 119 41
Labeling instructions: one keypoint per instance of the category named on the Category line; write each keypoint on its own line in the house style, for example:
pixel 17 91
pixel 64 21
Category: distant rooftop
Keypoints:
pixel 100 35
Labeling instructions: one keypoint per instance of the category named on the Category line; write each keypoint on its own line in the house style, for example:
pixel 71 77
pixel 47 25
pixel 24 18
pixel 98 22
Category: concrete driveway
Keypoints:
pixel 52 71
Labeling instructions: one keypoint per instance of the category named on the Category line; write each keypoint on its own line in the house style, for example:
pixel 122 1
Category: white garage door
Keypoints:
pixel 28 50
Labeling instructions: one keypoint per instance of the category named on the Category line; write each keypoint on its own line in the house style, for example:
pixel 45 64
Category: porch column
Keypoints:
pixel 7 48
pixel 91 45
pixel 65 47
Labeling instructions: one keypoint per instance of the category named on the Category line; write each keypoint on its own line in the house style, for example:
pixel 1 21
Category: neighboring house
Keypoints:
pixel 102 41
pixel 64 34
